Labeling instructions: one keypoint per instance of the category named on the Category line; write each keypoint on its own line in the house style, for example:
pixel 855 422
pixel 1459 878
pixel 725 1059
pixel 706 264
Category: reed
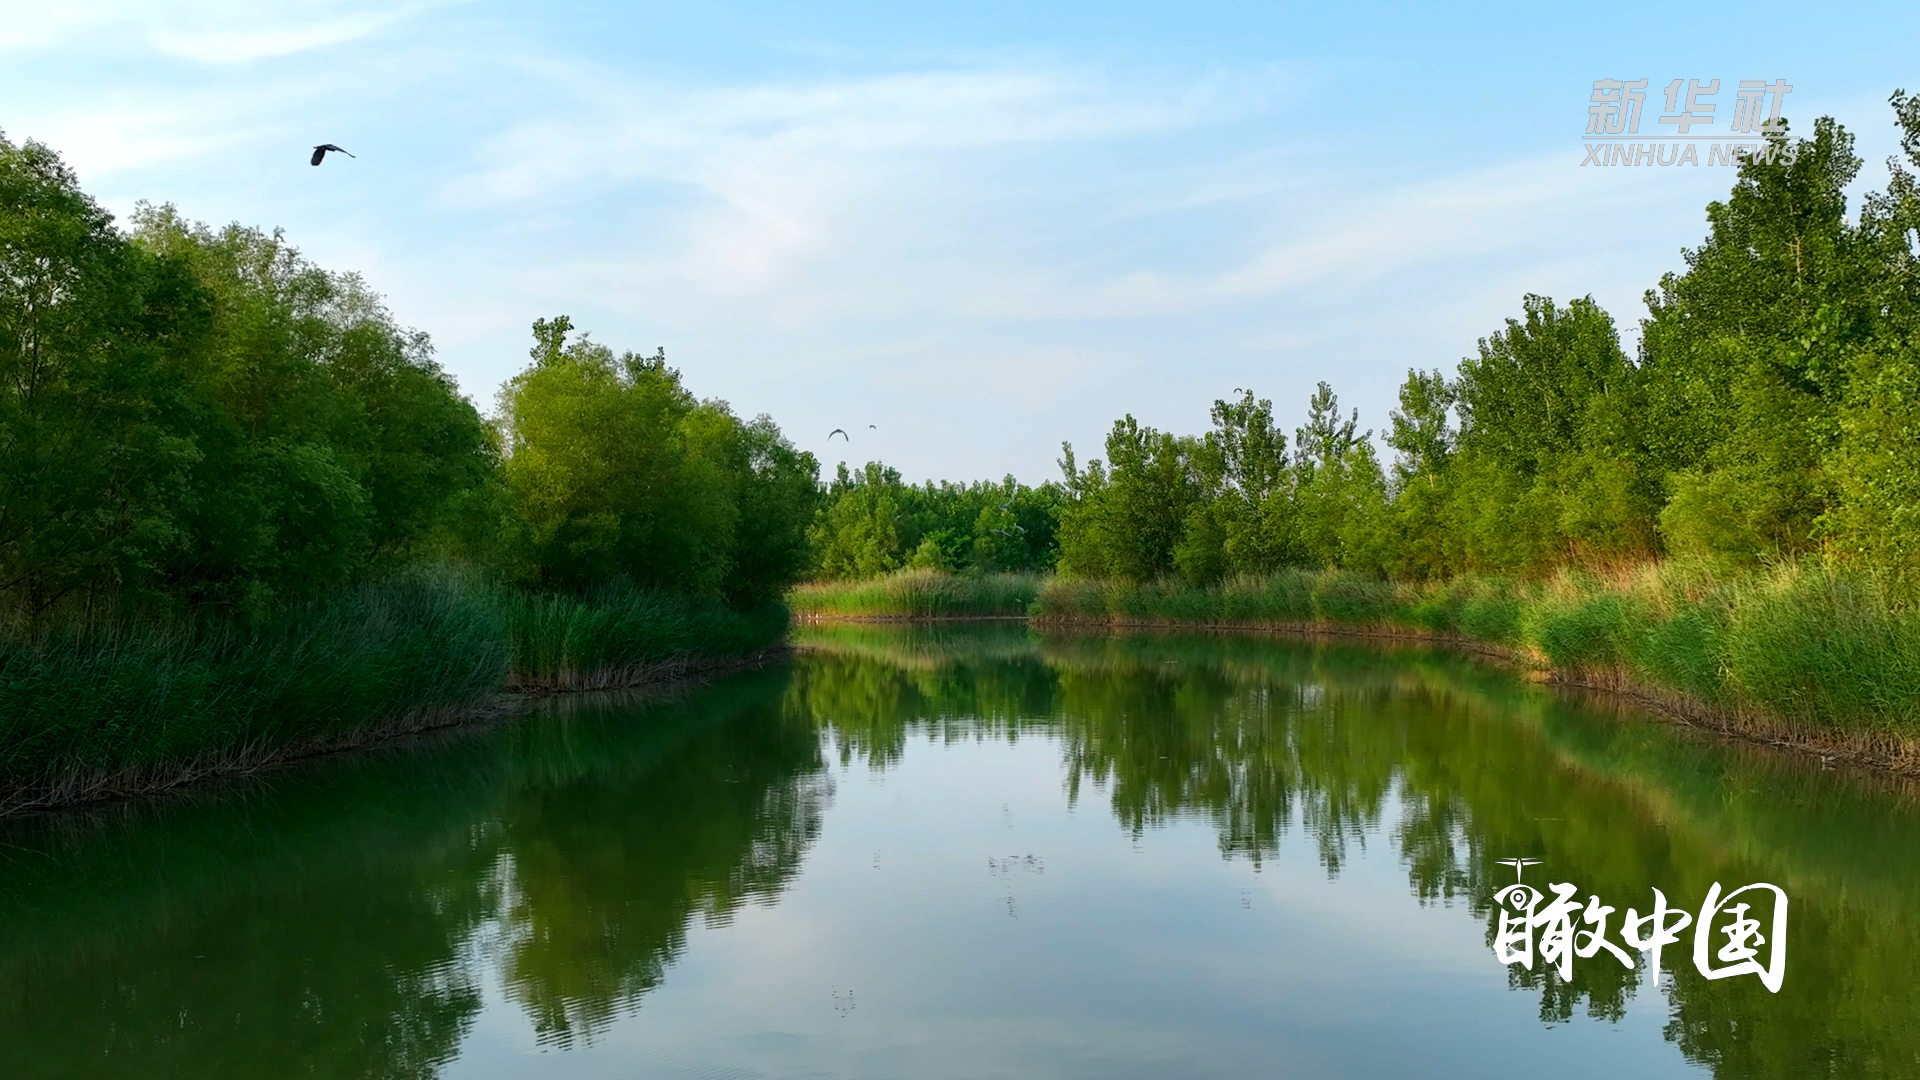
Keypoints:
pixel 620 635
pixel 1795 650
pixel 148 704
pixel 918 594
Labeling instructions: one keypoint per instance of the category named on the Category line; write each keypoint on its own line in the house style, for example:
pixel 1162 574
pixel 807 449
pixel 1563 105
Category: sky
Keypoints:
pixel 981 229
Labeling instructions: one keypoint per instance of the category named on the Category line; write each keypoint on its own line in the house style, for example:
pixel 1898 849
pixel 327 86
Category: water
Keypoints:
pixel 971 852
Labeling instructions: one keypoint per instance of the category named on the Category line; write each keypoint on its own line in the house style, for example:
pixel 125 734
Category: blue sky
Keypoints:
pixel 983 228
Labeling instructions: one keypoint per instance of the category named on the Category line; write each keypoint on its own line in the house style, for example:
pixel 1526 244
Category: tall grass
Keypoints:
pixel 1811 649
pixel 918 594
pixel 620 634
pixel 147 705
pixel 151 703
pixel 1290 596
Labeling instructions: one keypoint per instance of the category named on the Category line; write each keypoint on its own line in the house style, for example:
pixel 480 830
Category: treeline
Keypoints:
pixel 871 523
pixel 229 479
pixel 194 416
pixel 613 469
pixel 1770 413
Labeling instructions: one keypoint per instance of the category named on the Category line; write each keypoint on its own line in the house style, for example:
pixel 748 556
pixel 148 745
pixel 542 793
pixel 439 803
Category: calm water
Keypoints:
pixel 971 853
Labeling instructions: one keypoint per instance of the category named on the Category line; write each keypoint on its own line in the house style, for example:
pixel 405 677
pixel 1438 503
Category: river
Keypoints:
pixel 974 851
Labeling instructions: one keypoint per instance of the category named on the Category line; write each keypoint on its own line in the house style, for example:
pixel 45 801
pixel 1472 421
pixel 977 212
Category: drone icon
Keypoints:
pixel 1519 866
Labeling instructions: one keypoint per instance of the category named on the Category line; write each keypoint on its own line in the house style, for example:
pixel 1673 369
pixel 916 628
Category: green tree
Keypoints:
pixel 1875 464
pixel 329 440
pixel 1243 460
pixel 778 490
pixel 1542 441
pixel 858 533
pixel 1423 441
pixel 1745 352
pixel 1340 489
pixel 1125 518
pixel 95 444
pixel 615 470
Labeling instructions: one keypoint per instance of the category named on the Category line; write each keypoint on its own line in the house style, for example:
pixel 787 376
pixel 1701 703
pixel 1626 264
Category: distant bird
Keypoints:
pixel 870 427
pixel 1519 865
pixel 321 151
pixel 837 431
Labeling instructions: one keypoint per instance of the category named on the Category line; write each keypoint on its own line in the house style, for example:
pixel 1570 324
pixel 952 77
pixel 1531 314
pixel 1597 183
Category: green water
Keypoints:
pixel 971 853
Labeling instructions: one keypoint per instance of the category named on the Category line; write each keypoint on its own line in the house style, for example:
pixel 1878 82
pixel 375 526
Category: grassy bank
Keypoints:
pixel 149 706
pixel 918 594
pixel 1805 656
pixel 1800 656
pixel 621 635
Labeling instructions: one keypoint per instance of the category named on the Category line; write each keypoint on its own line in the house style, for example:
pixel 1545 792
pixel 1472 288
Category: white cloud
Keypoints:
pixel 129 131
pixel 206 31
pixel 221 45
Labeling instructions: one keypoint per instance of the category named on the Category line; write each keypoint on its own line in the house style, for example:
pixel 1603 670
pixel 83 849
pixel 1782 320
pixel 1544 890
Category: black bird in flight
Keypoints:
pixel 837 431
pixel 321 151
pixel 870 427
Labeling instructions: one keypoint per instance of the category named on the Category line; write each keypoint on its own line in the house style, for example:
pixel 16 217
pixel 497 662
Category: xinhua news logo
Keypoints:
pixel 1754 130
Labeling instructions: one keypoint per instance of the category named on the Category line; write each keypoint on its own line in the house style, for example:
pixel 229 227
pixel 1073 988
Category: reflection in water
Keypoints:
pixel 609 866
pixel 355 918
pixel 337 922
pixel 1263 737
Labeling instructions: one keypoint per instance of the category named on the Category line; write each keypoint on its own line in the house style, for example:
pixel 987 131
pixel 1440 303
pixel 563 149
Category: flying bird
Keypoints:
pixel 321 151
pixel 870 427
pixel 837 431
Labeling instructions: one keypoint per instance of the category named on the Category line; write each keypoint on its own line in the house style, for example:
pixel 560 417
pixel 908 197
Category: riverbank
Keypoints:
pixel 918 594
pixel 139 709
pixel 1804 658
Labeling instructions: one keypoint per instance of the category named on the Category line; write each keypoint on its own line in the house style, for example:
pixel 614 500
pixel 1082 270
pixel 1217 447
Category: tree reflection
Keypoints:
pixel 1459 766
pixel 608 870
pixel 336 922
pixel 341 921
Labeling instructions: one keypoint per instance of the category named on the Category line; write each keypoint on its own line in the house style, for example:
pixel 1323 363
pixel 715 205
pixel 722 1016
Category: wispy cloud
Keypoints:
pixel 609 129
pixel 814 194
pixel 206 31
pixel 126 131
pixel 246 44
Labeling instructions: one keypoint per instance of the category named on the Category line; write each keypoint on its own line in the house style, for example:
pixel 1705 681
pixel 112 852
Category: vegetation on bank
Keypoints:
pixel 918 594
pixel 244 512
pixel 1797 650
pixel 618 635
pixel 147 706
pixel 1804 652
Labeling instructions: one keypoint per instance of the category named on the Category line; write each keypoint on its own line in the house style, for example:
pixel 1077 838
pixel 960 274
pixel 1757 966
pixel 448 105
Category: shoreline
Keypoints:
pixel 94 790
pixel 812 617
pixel 1884 753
